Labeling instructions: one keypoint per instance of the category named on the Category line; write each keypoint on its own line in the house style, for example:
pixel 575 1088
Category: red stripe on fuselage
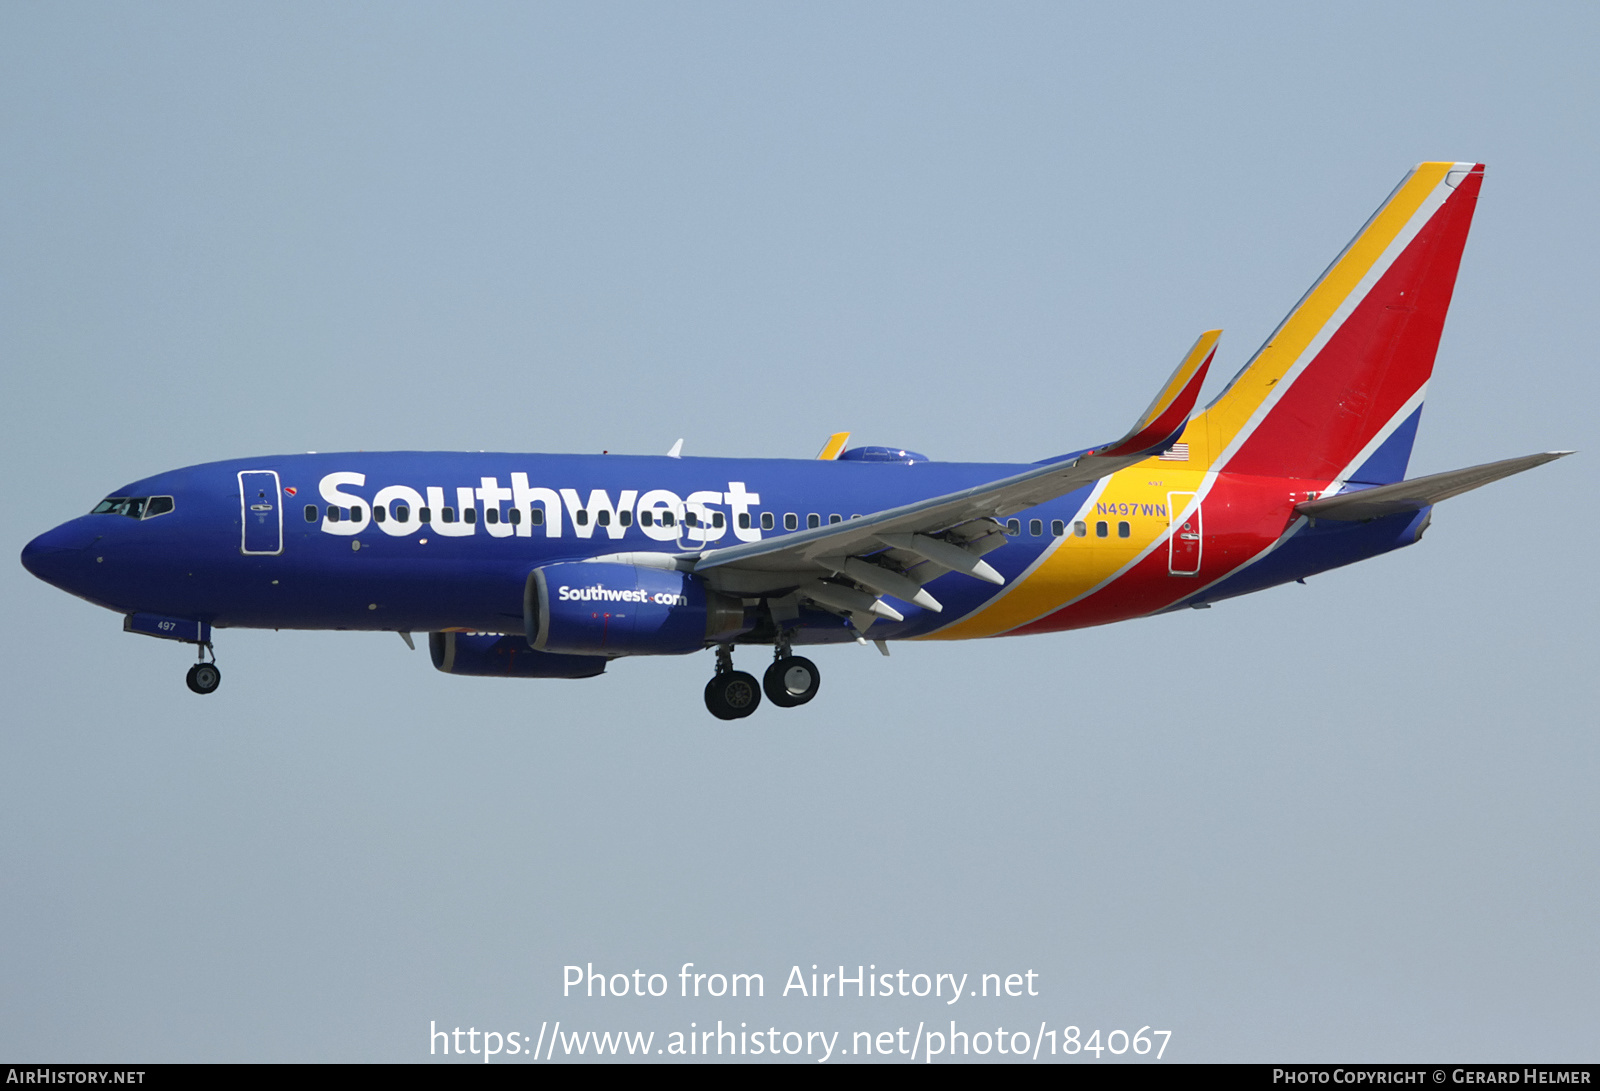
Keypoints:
pixel 1241 517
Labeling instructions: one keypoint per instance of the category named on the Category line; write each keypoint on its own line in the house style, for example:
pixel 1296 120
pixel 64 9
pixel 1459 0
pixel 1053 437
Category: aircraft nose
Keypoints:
pixel 54 555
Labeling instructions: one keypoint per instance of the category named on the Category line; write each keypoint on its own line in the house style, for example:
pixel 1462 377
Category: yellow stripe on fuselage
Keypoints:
pixel 1076 566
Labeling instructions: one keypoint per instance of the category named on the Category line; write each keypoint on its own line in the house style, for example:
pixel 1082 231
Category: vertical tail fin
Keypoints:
pixel 1336 391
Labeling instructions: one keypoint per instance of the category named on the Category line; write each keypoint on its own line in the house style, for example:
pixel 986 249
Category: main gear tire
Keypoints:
pixel 791 681
pixel 732 695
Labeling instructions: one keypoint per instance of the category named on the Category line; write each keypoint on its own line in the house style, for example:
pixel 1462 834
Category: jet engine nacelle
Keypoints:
pixel 491 655
pixel 604 608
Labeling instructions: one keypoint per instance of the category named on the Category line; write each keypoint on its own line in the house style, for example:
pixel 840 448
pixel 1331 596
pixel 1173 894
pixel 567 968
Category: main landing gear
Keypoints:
pixel 792 680
pixel 731 694
pixel 789 682
pixel 204 677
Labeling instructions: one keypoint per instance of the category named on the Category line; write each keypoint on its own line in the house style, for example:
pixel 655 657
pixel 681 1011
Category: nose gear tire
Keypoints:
pixel 204 678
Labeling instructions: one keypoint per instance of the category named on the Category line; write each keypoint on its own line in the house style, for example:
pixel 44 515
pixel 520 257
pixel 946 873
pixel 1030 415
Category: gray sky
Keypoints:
pixel 1355 819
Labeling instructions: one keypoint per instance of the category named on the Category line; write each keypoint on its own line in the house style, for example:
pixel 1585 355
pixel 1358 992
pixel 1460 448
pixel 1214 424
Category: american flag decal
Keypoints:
pixel 1178 452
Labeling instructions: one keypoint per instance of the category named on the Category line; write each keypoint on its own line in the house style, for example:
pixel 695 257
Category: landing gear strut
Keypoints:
pixel 204 677
pixel 792 680
pixel 731 694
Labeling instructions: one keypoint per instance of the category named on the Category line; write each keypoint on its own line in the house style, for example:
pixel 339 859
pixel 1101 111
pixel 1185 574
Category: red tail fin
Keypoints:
pixel 1339 384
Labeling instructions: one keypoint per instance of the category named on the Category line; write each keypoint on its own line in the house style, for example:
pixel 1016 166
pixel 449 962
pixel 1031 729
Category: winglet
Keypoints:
pixel 1164 420
pixel 676 452
pixel 834 447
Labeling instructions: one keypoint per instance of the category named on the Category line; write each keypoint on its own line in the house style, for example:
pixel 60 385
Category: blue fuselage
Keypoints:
pixel 213 558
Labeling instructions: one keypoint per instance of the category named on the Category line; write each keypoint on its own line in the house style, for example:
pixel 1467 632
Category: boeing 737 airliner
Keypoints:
pixel 552 566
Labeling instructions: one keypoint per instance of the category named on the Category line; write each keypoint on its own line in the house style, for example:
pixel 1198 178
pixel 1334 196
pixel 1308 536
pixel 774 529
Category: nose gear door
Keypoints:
pixel 260 513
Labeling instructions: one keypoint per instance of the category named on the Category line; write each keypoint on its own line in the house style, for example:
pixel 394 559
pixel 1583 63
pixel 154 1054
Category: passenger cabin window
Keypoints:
pixel 402 513
pixel 469 515
pixel 379 514
pixel 834 519
pixel 1036 527
pixel 1102 529
pixel 491 515
pixel 1013 527
pixel 1057 528
pixel 624 518
pixel 516 516
pixel 357 513
pixel 424 515
pixel 602 518
pixel 691 519
pixel 647 518
pixel 1123 530
pixel 535 516
pixel 717 520
pixel 813 520
pixel 1080 528
pixel 744 520
pixel 668 519
pixel 447 515
pixel 333 514
pixel 791 521
pixel 311 513
pixel 766 520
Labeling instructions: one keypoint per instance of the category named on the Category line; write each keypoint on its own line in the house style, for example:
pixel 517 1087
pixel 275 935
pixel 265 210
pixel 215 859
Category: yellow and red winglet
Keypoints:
pixel 1163 422
pixel 834 447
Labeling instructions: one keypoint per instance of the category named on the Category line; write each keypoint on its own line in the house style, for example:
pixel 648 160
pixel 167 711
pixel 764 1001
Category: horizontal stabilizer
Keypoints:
pixel 1420 492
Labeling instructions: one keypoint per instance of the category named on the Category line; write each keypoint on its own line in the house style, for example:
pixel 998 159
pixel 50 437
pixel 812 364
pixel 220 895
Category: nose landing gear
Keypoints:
pixel 204 677
pixel 731 694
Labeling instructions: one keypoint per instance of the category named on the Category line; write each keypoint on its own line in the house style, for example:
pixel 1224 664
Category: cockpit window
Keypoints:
pixel 131 506
pixel 134 507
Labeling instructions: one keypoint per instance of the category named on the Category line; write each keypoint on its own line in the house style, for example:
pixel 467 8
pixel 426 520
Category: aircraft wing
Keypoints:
pixel 1418 493
pixel 914 543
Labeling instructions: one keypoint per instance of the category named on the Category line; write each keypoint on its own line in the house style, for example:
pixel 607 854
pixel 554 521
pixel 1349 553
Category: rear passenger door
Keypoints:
pixel 1184 545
